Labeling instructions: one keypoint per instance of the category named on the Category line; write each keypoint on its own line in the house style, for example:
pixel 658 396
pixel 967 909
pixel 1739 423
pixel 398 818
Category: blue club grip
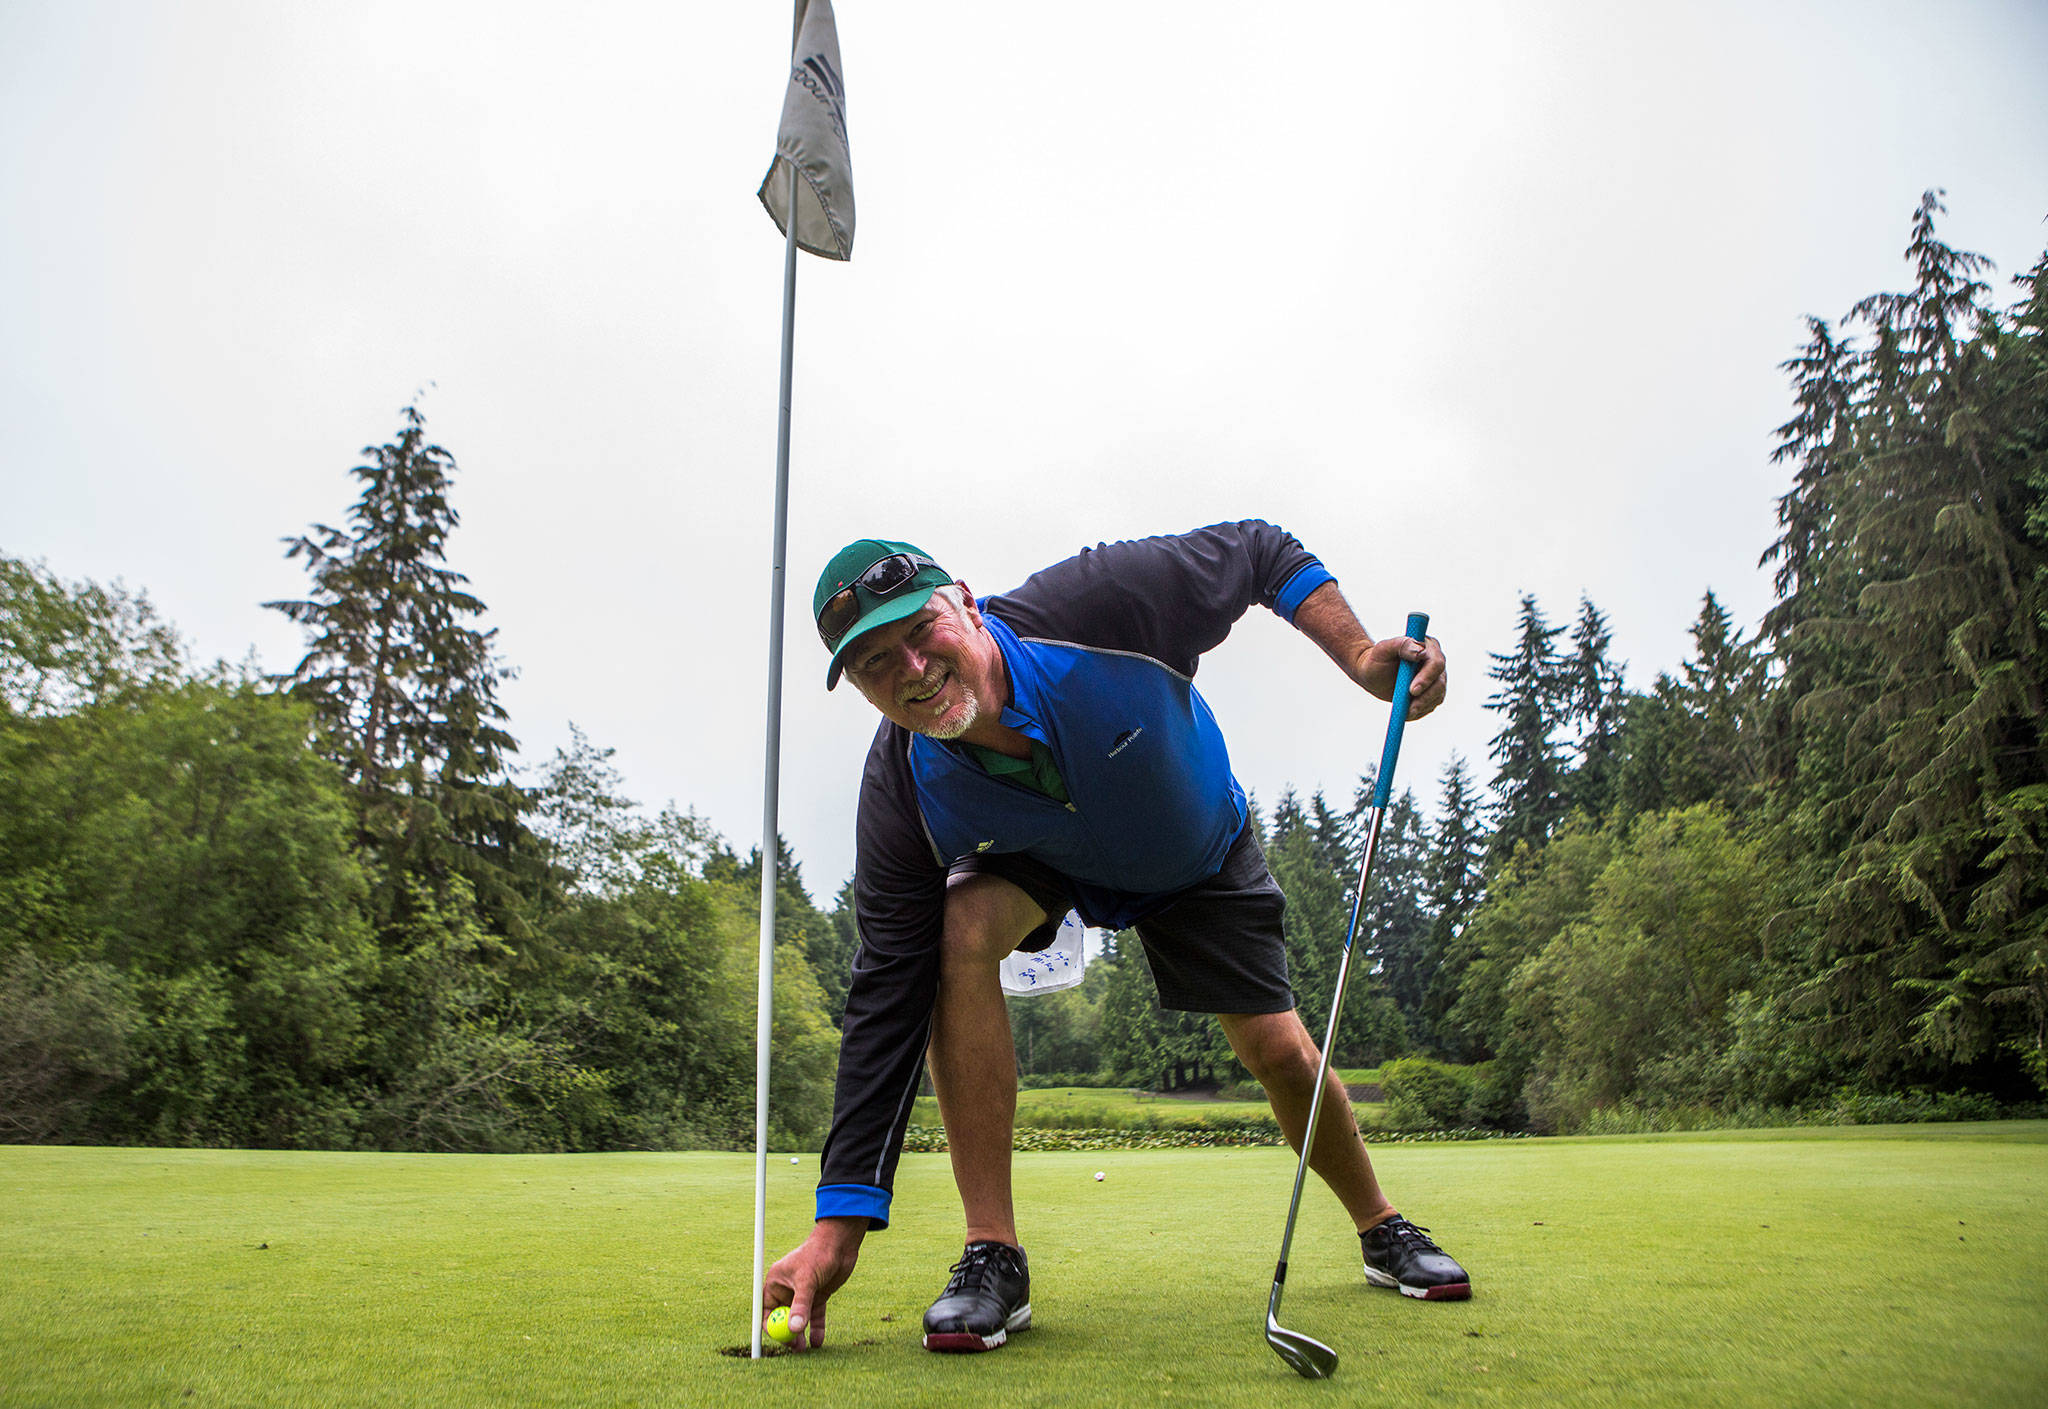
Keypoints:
pixel 1383 784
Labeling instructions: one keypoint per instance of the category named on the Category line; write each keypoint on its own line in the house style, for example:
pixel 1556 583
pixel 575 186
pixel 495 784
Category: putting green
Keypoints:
pixel 1835 1267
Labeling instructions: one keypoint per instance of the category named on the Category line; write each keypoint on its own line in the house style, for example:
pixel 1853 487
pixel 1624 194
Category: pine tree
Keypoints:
pixel 1911 610
pixel 1590 684
pixel 831 952
pixel 1701 735
pixel 1130 1040
pixel 1452 878
pixel 1722 687
pixel 403 687
pixel 1317 899
pixel 1389 974
pixel 1529 781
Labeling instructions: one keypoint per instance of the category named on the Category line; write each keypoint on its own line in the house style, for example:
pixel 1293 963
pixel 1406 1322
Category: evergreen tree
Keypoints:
pixel 832 950
pixel 403 687
pixel 1722 688
pixel 1318 904
pixel 1912 607
pixel 1452 881
pixel 1703 734
pixel 1590 684
pixel 1390 974
pixel 1530 776
pixel 1130 1014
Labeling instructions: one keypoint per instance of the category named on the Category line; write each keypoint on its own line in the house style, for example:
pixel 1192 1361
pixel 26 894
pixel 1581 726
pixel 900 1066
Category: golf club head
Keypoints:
pixel 1309 1357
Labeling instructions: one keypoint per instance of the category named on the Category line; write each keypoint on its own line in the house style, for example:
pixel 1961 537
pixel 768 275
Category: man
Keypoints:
pixel 1041 751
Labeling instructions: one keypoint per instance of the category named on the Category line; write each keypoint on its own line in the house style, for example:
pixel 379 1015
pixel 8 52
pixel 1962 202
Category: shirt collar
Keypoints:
pixel 1021 712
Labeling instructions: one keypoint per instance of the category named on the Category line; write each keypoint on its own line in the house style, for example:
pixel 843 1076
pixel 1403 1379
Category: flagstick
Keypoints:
pixel 771 832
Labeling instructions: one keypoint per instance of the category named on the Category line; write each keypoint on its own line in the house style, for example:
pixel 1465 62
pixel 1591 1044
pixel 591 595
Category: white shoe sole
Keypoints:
pixel 967 1342
pixel 1454 1291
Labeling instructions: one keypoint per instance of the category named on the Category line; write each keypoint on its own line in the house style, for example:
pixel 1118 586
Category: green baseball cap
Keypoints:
pixel 869 583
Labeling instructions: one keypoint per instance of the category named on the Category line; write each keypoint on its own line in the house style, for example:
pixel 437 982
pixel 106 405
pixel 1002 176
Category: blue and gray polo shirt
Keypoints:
pixel 1101 652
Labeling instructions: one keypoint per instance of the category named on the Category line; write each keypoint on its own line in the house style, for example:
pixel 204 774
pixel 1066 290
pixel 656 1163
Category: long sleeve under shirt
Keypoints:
pixel 1101 652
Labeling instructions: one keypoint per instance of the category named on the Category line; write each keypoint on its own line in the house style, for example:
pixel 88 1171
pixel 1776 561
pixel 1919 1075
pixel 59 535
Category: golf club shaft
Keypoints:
pixel 1315 1108
pixel 1383 791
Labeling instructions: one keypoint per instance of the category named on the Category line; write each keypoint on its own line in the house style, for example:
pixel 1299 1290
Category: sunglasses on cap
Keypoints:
pixel 884 579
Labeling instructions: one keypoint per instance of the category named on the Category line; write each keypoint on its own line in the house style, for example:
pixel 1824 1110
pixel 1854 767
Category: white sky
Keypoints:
pixel 1475 298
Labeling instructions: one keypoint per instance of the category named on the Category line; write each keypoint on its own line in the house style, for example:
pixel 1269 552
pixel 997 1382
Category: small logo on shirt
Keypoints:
pixel 1125 740
pixel 986 845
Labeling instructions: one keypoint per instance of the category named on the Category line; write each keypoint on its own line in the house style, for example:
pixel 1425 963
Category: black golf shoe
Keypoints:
pixel 988 1297
pixel 1400 1255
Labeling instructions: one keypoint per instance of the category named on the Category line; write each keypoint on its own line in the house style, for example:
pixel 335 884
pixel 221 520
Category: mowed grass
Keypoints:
pixel 1843 1267
pixel 1102 1108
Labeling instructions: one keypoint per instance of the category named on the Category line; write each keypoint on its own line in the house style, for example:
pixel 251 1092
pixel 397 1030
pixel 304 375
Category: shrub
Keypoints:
pixel 1494 1097
pixel 1051 1080
pixel 67 1032
pixel 1911 1107
pixel 929 1139
pixel 1425 1095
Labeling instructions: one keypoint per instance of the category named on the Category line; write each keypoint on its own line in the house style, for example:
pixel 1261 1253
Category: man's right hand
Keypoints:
pixel 805 1278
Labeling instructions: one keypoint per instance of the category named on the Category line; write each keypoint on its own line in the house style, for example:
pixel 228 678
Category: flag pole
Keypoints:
pixel 811 140
pixel 771 831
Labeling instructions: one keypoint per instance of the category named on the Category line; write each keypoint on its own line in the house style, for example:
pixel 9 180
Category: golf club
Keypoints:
pixel 1309 1357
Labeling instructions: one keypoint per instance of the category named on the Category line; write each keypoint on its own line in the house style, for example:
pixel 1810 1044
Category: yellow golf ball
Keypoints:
pixel 778 1326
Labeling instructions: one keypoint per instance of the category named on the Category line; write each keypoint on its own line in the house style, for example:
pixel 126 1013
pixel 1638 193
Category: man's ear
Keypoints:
pixel 968 604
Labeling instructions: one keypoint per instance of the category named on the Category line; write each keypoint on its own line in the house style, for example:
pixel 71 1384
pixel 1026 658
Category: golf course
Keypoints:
pixel 1839 1266
pixel 1465 586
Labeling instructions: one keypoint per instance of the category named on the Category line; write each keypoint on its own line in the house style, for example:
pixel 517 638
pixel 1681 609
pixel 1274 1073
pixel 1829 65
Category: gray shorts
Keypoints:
pixel 1217 947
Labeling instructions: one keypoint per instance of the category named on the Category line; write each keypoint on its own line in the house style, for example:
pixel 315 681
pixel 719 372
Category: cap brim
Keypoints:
pixel 895 609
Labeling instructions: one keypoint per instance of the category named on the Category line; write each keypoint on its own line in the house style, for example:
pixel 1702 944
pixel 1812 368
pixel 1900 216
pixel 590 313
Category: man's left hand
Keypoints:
pixel 1376 666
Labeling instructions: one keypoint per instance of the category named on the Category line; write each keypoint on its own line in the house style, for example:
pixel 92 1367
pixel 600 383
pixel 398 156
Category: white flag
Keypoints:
pixel 812 139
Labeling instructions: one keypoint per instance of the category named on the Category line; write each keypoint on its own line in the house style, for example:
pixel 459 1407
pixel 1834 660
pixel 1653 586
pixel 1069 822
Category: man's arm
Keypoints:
pixel 1327 619
pixel 1172 598
pixel 899 900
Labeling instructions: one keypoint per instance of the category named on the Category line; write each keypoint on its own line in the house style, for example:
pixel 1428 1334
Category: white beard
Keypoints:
pixel 959 724
pixel 954 725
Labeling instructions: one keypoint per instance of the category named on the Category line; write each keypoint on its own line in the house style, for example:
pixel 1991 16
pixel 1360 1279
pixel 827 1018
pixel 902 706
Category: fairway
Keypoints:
pixel 1846 1267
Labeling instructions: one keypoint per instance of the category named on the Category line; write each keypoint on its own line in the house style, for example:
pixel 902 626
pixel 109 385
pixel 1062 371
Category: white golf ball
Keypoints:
pixel 792 1159
pixel 1098 1176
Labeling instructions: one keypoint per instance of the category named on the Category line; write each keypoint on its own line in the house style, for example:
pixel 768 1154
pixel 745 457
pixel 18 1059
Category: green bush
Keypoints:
pixel 1050 1080
pixel 1845 1107
pixel 1494 1097
pixel 1911 1107
pixel 67 1032
pixel 931 1139
pixel 1425 1095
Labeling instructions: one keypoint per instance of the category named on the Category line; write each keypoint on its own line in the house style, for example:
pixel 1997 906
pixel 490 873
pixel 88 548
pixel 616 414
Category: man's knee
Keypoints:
pixel 1273 1046
pixel 986 918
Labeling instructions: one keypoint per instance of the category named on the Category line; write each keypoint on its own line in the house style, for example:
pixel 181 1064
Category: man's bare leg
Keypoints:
pixel 1277 1050
pixel 973 1059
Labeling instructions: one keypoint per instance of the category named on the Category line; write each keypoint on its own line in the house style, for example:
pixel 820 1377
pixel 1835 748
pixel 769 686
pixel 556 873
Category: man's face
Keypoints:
pixel 934 672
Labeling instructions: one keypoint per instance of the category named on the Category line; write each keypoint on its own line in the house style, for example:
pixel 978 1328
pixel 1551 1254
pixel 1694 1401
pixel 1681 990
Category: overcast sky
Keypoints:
pixel 1477 299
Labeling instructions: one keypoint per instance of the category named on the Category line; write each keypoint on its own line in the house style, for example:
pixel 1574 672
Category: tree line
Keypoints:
pixel 1802 873
pixel 319 910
